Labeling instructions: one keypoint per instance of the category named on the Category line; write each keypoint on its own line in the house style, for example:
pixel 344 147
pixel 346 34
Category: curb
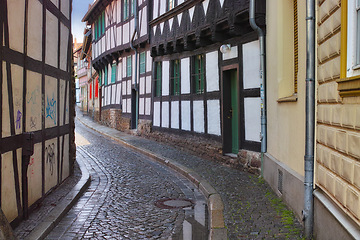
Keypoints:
pixel 54 217
pixel 215 203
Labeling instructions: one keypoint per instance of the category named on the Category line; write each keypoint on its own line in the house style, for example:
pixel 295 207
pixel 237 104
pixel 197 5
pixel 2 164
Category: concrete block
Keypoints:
pixel 336 114
pixel 347 169
pixel 335 162
pixel 331 137
pixel 354 144
pixel 330 182
pixel 321 134
pixel 356 174
pixel 348 116
pixel 215 202
pixel 340 190
pixel 320 113
pixel 328 114
pixel 207 189
pixel 352 201
pixel 357 117
pixel 321 175
pixel 218 234
pixel 326 157
pixel 217 219
pixel 341 138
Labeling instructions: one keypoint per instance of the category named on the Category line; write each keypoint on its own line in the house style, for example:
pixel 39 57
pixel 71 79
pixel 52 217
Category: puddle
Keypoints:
pixel 195 225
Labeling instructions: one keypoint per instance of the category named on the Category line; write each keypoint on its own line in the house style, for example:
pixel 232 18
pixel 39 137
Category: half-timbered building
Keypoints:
pixel 206 72
pixel 120 52
pixel 36 117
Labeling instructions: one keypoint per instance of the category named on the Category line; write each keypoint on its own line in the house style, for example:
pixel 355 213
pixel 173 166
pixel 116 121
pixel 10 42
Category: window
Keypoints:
pixel 103 23
pixel 175 77
pixel 349 82
pixel 132 7
pixel 142 62
pixel 157 80
pixel 105 76
pixel 170 4
pixel 113 73
pixel 100 77
pixel 128 66
pixel 198 74
pixel 126 9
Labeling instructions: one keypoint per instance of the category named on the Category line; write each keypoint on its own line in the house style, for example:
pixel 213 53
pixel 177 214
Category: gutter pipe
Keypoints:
pixel 136 30
pixel 261 35
pixel 308 212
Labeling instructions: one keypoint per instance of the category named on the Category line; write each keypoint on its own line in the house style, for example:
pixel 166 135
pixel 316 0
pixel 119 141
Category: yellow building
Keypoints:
pixel 337 197
pixel 283 166
pixel 35 85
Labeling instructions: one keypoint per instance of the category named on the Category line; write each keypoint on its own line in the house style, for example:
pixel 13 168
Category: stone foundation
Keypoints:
pixel 206 148
pixel 113 118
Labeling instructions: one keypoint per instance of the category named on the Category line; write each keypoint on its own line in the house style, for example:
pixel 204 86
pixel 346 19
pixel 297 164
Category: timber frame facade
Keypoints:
pixel 36 140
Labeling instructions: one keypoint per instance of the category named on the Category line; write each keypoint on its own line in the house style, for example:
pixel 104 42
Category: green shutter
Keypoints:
pixel 126 9
pixel 99 27
pixel 113 73
pixel 142 62
pixel 158 79
pixel 103 22
pixel 100 79
pixel 201 73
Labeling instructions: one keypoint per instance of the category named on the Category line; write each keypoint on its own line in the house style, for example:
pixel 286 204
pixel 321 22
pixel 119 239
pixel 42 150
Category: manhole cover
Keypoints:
pixel 170 203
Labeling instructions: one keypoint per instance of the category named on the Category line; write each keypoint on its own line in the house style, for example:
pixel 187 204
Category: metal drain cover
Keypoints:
pixel 171 203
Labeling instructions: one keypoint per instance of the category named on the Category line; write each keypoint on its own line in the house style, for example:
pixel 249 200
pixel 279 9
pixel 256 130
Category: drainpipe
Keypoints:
pixel 261 35
pixel 308 212
pixel 136 30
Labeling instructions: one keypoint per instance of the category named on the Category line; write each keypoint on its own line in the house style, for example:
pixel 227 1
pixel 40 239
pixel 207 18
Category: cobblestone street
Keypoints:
pixel 120 202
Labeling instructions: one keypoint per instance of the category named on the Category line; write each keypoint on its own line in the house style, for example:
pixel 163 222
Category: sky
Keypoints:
pixel 79 10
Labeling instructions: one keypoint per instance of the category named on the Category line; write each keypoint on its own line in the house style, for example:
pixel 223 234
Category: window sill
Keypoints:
pixel 349 87
pixel 292 98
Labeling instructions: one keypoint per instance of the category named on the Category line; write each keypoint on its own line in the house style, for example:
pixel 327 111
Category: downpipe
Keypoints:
pixel 260 33
pixel 308 212
pixel 136 30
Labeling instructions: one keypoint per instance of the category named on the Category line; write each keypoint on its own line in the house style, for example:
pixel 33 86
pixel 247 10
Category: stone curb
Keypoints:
pixel 54 217
pixel 215 204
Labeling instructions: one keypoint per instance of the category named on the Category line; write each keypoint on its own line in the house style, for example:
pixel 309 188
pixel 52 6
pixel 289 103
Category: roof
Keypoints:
pixel 95 10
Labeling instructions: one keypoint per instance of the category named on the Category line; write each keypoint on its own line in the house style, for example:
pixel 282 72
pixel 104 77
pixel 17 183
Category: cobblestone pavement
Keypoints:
pixel 119 204
pixel 252 210
pixel 47 205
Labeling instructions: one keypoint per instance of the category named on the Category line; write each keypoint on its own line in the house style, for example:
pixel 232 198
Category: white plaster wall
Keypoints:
pixel 155 9
pixel 232 54
pixel 148 61
pixel 148 84
pixel 185 75
pixel 185 115
pixel 147 106
pixel 124 68
pixel 141 106
pixel 251 65
pixel 157 114
pixel 165 78
pixel 118 93
pixel 143 30
pixel 165 115
pixel 212 71
pixel 103 44
pixel 213 117
pixel 113 92
pixel 118 39
pixel 108 95
pixel 129 87
pixel 128 105
pixel 175 115
pixel 65 8
pixel 63 46
pixel 252 119
pixel 124 88
pixel 125 33
pixel 35 30
pixel 162 7
pixel 198 113
pixel 142 85
pixel 51 51
pixel 124 105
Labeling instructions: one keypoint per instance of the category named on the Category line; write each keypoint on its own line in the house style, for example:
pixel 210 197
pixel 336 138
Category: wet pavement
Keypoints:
pixel 251 208
pixel 121 200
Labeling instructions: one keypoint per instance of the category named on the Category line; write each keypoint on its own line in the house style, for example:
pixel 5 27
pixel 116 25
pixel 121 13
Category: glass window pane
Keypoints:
pixel 142 62
pixel 128 66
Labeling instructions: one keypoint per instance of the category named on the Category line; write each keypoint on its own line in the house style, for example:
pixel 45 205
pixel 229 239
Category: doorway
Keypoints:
pixel 230 111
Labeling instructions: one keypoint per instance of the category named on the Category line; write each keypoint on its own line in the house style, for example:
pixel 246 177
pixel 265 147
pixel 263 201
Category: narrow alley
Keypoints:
pixel 120 202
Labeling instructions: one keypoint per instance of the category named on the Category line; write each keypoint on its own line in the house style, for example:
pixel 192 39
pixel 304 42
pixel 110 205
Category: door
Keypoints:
pixel 230 111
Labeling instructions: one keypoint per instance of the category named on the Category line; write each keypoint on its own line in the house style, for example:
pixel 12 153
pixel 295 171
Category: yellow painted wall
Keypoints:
pixel 286 120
